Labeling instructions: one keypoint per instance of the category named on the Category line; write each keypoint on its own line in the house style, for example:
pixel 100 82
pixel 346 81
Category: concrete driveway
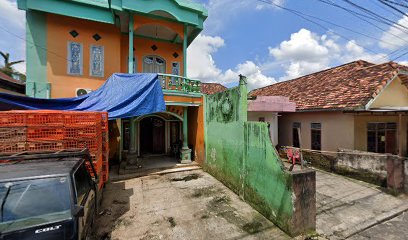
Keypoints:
pixel 182 205
pixel 346 207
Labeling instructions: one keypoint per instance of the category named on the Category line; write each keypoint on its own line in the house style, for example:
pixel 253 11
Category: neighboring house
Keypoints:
pixel 10 85
pixel 74 46
pixel 267 109
pixel 359 105
pixel 211 88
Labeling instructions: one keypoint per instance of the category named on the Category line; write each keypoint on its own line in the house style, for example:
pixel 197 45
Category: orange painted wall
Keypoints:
pixel 198 100
pixel 143 48
pixel 58 28
pixel 196 132
pixel 140 20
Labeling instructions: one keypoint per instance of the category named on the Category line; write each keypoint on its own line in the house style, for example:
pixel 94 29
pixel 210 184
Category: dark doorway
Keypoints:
pixel 152 135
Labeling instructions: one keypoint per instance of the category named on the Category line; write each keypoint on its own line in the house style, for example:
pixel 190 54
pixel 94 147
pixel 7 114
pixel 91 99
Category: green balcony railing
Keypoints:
pixel 179 84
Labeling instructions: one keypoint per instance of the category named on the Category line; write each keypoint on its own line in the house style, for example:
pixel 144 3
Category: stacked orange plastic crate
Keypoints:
pixel 12 132
pixel 105 147
pixel 46 130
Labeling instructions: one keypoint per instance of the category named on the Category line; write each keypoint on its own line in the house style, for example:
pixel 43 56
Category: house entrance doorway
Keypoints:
pixel 152 136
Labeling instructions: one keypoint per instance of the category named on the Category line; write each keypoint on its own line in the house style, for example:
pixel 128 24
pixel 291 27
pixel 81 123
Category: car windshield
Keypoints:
pixel 34 202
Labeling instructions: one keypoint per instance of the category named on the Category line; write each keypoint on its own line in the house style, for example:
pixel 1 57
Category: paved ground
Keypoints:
pixel 183 205
pixel 394 229
pixel 346 207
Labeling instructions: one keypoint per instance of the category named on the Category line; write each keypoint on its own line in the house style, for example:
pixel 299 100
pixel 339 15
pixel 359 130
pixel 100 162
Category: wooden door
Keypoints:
pixel 158 134
pixel 391 142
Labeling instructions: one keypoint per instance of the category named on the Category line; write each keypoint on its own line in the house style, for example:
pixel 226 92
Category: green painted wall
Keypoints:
pixel 36 55
pixel 241 155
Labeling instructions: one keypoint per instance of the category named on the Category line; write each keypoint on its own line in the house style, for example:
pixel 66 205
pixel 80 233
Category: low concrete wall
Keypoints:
pixel 364 166
pixel 362 161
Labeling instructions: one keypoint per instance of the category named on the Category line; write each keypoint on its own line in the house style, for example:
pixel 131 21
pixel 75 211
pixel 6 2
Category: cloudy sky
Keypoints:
pixel 264 42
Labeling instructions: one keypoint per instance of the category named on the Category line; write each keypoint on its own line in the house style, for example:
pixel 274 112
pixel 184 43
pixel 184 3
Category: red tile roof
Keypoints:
pixel 5 77
pixel 346 87
pixel 212 88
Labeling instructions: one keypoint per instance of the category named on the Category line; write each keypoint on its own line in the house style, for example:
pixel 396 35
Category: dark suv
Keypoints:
pixel 46 196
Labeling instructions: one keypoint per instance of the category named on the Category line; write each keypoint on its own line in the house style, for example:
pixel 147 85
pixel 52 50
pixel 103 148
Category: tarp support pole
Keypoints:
pixel 131 70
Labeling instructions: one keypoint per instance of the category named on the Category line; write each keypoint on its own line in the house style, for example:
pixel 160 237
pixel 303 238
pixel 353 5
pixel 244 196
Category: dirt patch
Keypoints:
pixel 172 222
pixel 205 192
pixel 186 178
pixel 253 227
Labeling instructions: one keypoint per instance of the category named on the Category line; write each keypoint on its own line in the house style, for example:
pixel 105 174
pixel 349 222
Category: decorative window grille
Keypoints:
pixel 97 61
pixel 75 58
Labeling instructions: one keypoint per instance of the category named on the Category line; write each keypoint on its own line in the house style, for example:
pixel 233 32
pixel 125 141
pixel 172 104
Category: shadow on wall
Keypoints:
pixel 240 154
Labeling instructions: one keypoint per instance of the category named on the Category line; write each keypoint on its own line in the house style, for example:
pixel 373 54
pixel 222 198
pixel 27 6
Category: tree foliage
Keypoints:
pixel 8 68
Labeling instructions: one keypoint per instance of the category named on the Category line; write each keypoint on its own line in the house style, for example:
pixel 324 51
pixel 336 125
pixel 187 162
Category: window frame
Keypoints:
pixel 314 129
pixel 376 128
pixel 91 63
pixel 86 194
pixel 81 59
pixel 295 126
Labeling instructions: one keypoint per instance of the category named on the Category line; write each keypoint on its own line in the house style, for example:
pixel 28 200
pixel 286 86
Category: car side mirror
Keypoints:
pixel 79 211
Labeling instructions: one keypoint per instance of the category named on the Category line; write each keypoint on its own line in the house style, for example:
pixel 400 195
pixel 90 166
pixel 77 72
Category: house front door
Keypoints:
pixel 152 135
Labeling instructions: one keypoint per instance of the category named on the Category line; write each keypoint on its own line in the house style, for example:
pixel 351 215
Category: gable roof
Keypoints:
pixel 212 88
pixel 347 87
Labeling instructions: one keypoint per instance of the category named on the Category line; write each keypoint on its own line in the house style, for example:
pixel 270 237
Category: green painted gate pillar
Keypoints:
pixel 185 51
pixel 185 151
pixel 131 70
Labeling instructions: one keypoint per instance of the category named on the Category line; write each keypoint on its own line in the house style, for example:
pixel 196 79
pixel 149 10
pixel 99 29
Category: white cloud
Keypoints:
pixel 306 52
pixel 395 38
pixel 222 12
pixel 201 65
pixel 12 20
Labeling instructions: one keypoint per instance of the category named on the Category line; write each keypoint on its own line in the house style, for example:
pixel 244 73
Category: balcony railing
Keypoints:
pixel 174 83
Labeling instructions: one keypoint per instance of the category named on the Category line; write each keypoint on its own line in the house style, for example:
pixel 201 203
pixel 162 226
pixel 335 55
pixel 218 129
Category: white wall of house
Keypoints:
pixel 271 118
pixel 337 129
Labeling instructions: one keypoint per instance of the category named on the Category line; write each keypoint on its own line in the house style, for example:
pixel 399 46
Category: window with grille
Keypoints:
pixel 382 137
pixel 316 135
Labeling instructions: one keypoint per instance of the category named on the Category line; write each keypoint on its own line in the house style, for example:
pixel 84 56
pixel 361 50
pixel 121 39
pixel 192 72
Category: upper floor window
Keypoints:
pixel 316 134
pixel 96 61
pixel 75 58
pixel 154 64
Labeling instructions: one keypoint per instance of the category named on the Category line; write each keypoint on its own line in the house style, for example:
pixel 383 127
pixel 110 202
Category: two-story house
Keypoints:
pixel 74 46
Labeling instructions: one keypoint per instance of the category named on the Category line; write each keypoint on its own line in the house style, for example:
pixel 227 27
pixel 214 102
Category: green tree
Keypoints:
pixel 8 69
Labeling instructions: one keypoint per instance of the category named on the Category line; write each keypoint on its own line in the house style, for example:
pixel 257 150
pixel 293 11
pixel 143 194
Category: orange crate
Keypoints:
pixel 80 132
pixel 12 119
pixel 44 118
pixel 45 145
pixel 13 134
pixel 12 147
pixel 96 163
pixel 105 121
pixel 93 145
pixel 82 118
pixel 45 133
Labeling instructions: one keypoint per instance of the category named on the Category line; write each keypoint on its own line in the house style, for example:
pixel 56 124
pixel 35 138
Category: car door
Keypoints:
pixel 86 198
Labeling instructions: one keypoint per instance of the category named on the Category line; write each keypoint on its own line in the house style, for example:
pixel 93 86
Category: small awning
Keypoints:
pixel 122 96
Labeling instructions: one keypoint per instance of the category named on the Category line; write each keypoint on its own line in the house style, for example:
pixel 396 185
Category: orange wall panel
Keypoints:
pixel 58 28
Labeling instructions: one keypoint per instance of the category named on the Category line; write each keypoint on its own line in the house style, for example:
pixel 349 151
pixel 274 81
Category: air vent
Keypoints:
pixel 96 37
pixel 74 33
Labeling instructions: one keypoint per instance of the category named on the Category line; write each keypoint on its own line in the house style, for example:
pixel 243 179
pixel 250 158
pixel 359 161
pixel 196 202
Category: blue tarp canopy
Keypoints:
pixel 122 96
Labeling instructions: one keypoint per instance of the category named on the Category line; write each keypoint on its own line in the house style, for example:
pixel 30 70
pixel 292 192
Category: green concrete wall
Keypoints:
pixel 241 155
pixel 36 55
